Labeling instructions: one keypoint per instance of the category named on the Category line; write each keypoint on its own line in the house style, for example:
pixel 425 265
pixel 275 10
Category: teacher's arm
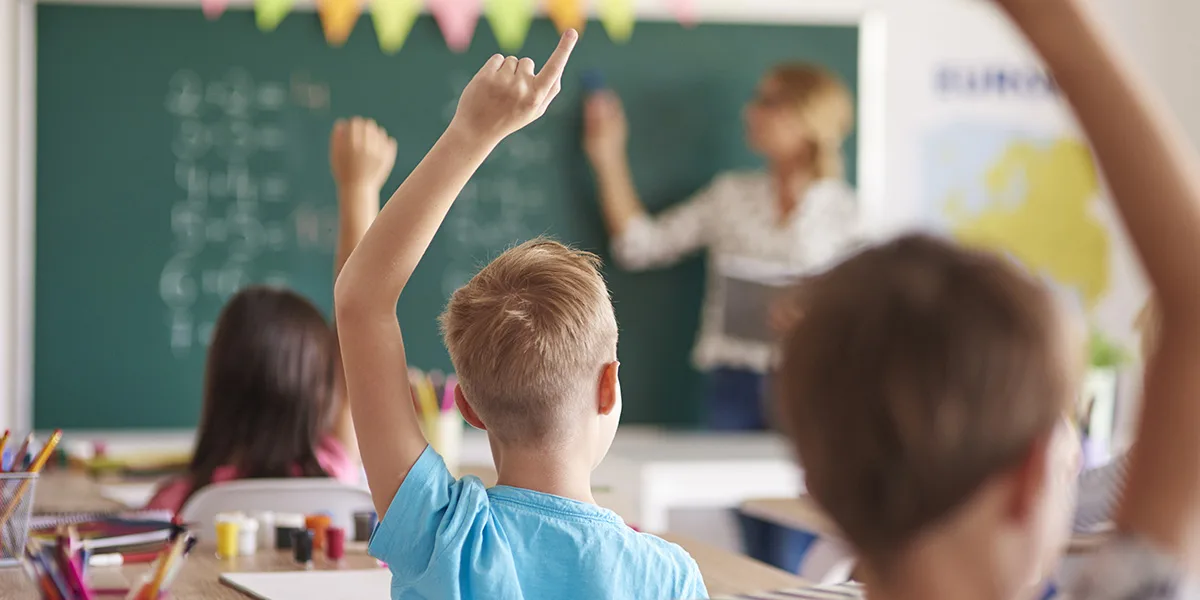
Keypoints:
pixel 639 241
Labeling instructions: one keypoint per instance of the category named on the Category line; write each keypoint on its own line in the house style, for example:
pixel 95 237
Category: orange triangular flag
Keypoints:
pixel 567 14
pixel 338 18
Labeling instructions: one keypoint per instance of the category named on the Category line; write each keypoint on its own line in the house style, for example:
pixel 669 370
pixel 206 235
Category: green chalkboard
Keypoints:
pixel 179 159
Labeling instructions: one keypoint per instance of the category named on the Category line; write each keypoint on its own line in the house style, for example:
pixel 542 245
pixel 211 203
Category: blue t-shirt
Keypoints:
pixel 447 538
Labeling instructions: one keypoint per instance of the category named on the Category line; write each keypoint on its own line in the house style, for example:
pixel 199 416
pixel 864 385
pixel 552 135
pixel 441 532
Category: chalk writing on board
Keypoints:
pixel 309 94
pixel 503 204
pixel 223 237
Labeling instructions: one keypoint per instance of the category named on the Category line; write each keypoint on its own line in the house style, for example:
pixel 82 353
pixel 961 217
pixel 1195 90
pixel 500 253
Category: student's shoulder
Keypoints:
pixel 664 554
pixel 170 494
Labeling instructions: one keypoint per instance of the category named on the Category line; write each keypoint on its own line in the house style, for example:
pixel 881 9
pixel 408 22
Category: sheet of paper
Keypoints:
pixel 326 585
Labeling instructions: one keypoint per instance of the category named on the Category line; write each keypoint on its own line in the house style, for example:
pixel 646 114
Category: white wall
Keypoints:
pixel 8 207
pixel 1157 32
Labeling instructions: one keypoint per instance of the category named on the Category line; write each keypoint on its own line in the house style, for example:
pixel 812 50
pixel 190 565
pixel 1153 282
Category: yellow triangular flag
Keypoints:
pixel 567 14
pixel 393 21
pixel 338 18
pixel 510 21
pixel 618 17
pixel 269 13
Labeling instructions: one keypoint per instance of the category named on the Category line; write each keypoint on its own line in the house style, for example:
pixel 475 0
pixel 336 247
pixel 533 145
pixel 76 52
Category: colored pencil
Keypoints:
pixel 19 455
pixel 3 442
pixel 34 468
pixel 448 393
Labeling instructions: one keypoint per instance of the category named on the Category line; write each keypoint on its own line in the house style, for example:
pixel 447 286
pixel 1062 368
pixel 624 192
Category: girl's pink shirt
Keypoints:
pixel 331 455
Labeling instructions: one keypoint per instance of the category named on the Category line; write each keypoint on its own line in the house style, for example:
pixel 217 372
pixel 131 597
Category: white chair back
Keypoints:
pixel 297 495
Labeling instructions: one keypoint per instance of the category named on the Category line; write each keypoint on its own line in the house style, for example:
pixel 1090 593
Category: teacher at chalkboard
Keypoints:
pixel 761 229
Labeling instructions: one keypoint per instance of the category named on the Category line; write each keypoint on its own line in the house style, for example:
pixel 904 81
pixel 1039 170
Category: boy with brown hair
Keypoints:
pixel 927 386
pixel 533 339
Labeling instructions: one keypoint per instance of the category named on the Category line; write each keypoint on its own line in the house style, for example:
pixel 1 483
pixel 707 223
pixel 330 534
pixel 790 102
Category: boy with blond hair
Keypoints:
pixel 533 339
pixel 927 386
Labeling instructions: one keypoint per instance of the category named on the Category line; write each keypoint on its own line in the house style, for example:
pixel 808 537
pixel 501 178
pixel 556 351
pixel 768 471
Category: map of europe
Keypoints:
pixel 1033 198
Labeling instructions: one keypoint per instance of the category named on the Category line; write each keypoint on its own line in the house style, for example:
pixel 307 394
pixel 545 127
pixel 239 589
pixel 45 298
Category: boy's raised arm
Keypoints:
pixel 1154 176
pixel 503 97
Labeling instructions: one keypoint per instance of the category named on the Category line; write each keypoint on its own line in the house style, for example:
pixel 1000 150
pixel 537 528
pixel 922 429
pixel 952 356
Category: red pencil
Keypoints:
pixel 18 459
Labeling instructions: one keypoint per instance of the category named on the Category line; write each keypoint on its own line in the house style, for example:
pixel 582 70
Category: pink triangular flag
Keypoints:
pixel 684 11
pixel 213 8
pixel 457 19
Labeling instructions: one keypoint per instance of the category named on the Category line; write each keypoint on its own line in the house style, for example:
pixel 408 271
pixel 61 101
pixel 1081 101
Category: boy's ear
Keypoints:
pixel 1028 480
pixel 465 409
pixel 609 392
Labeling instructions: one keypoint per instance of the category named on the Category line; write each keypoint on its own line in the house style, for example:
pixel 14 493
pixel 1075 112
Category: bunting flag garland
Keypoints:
pixel 618 17
pixel 567 14
pixel 394 20
pixel 268 14
pixel 510 21
pixel 457 20
pixel 213 8
pixel 338 18
pixel 685 12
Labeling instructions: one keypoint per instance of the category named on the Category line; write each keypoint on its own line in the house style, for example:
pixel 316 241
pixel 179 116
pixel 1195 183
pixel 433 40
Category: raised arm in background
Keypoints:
pixel 1154 176
pixel 361 156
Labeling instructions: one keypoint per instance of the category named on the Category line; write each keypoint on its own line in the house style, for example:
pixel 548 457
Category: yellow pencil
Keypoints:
pixel 164 567
pixel 47 450
pixel 428 404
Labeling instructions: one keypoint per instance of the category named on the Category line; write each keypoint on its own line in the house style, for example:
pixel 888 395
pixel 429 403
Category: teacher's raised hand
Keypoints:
pixel 605 133
pixel 605 130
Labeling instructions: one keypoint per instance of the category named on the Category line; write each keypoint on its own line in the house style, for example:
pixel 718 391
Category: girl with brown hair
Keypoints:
pixel 274 399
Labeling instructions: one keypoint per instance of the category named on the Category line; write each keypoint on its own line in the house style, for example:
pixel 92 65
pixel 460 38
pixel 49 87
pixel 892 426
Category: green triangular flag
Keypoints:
pixel 618 17
pixel 268 14
pixel 394 20
pixel 510 21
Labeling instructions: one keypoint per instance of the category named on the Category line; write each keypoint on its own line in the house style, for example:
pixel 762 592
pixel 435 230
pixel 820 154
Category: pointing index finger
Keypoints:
pixel 557 63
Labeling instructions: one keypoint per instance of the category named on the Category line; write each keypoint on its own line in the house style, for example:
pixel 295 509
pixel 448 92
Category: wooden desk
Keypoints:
pixel 199 579
pixel 794 513
pixel 726 573
pixel 67 491
pixel 803 514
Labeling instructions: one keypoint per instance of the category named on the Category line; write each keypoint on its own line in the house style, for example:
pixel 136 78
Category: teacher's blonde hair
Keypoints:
pixel 825 106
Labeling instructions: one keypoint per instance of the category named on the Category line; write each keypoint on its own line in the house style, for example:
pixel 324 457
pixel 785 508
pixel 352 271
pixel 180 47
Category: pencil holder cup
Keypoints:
pixel 16 506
